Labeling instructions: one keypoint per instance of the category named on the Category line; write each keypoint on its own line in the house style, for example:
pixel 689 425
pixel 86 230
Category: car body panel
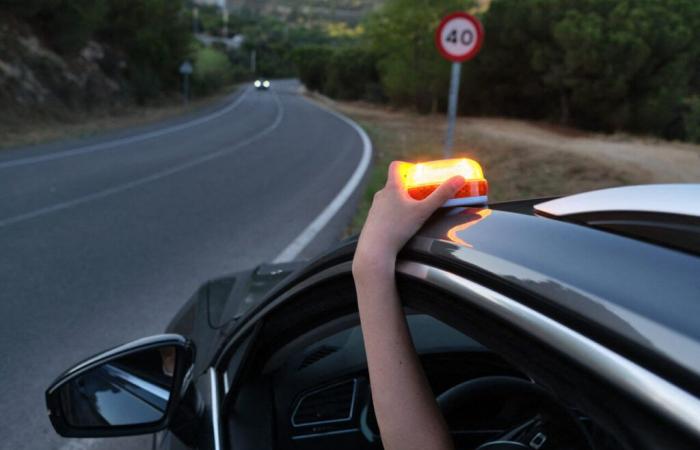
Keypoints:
pixel 211 314
pixel 601 283
pixel 640 299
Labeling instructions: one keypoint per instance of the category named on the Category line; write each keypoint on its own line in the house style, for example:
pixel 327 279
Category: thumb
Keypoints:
pixel 445 192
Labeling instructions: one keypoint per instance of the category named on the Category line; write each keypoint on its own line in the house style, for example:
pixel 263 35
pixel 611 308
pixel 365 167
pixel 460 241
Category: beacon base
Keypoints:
pixel 466 201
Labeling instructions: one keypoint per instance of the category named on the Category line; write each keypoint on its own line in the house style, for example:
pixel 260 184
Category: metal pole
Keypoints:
pixel 452 107
pixel 186 88
pixel 252 62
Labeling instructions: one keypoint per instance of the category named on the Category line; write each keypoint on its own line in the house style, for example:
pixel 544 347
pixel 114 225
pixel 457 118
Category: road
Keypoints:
pixel 102 240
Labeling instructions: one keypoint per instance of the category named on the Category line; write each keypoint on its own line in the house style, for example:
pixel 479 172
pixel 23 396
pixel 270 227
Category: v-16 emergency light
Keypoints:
pixel 422 179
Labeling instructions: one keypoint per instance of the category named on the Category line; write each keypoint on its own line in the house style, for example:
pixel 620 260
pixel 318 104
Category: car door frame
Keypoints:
pixel 669 401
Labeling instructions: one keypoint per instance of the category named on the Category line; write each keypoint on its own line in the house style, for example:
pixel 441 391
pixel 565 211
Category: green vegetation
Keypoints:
pixel 273 42
pixel 393 59
pixel 151 35
pixel 212 71
pixel 597 64
pixel 155 39
pixel 401 36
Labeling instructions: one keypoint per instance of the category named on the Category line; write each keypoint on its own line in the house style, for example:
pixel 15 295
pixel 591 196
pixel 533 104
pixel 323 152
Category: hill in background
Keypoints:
pixel 349 11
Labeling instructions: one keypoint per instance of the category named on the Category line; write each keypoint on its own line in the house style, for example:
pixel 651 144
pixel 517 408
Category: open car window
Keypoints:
pixel 310 389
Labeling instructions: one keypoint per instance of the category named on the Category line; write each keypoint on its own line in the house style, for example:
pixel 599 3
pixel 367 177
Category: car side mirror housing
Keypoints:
pixel 129 390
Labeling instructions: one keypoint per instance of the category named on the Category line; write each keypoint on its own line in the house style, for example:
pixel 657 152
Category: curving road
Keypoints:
pixel 102 240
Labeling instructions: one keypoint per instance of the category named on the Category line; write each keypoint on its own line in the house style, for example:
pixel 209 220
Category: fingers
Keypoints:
pixel 445 192
pixel 395 176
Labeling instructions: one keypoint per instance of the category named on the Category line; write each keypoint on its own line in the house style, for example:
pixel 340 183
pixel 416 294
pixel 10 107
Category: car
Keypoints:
pixel 559 323
pixel 262 84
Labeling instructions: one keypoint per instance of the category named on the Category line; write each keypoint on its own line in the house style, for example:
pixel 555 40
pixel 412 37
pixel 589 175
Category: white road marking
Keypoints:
pixel 309 233
pixel 141 181
pixel 123 141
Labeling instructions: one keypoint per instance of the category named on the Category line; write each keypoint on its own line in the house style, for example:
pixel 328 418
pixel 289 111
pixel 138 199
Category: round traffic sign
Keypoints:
pixel 459 37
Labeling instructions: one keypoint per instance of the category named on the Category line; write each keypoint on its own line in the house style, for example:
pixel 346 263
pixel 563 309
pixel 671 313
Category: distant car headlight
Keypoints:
pixel 266 84
pixel 257 83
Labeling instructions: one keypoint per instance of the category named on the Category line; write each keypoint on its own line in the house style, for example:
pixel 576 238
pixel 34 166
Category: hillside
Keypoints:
pixel 37 82
pixel 349 11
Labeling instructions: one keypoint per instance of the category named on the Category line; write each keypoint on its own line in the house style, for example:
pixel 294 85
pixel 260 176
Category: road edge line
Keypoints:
pixel 299 243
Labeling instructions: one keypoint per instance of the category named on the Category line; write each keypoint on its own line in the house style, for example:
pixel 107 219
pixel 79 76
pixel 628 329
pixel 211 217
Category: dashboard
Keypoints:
pixel 321 391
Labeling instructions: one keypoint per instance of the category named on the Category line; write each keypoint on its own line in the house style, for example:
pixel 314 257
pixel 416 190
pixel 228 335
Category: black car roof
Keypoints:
pixel 633 293
pixel 637 298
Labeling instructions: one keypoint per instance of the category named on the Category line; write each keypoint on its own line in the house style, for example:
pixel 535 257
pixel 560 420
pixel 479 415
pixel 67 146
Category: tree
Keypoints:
pixel 401 34
pixel 602 64
pixel 155 37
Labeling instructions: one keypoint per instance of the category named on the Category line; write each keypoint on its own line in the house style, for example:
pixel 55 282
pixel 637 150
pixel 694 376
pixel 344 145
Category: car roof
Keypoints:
pixel 631 293
pixel 637 298
pixel 667 214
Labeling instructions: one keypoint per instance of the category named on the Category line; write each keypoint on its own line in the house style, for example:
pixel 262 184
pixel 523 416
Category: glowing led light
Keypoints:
pixel 422 179
pixel 266 83
pixel 257 83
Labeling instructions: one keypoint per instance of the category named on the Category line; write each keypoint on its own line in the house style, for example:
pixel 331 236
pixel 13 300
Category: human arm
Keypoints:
pixel 406 410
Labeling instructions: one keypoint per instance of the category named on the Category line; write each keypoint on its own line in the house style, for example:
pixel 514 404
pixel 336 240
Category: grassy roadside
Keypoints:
pixel 25 132
pixel 514 171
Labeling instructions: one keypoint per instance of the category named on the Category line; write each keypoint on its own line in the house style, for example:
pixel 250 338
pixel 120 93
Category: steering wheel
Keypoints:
pixel 537 420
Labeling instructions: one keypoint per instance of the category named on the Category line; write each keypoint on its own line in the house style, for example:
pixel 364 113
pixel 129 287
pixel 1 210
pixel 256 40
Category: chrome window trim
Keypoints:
pixel 662 396
pixel 214 386
pixel 226 386
pixel 321 389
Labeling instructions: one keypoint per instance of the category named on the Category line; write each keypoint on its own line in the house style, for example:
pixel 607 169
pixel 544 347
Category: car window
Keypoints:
pixel 315 390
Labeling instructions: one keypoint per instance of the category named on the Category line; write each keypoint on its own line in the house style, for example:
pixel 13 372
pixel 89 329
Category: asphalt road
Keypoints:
pixel 102 240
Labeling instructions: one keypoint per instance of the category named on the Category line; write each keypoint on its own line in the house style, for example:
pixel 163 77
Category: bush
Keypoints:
pixel 691 119
pixel 212 71
pixel 144 83
pixel 351 74
pixel 401 34
pixel 312 63
pixel 598 64
pixel 61 27
pixel 155 37
pixel 27 9
pixel 67 25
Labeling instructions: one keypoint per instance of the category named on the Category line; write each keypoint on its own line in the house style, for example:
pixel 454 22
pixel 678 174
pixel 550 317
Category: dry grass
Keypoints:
pixel 514 170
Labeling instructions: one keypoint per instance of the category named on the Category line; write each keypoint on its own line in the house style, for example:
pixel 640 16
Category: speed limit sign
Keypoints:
pixel 459 37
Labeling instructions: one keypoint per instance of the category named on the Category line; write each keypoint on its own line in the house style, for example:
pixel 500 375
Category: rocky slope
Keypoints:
pixel 36 82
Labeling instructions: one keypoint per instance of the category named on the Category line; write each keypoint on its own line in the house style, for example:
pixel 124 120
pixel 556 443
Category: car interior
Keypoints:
pixel 309 389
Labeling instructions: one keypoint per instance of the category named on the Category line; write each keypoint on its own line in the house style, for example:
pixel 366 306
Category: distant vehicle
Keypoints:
pixel 569 323
pixel 262 85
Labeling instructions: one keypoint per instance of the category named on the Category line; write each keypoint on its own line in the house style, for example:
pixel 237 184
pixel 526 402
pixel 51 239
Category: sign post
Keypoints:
pixel 459 38
pixel 186 71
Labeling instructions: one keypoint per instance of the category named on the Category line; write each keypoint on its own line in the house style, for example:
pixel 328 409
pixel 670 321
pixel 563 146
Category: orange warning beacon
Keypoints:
pixel 422 179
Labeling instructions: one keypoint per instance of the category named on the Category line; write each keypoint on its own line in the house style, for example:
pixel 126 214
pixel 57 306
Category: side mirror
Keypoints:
pixel 131 389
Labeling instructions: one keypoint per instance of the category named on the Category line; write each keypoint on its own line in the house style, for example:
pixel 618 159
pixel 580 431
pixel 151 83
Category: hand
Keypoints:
pixel 394 218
